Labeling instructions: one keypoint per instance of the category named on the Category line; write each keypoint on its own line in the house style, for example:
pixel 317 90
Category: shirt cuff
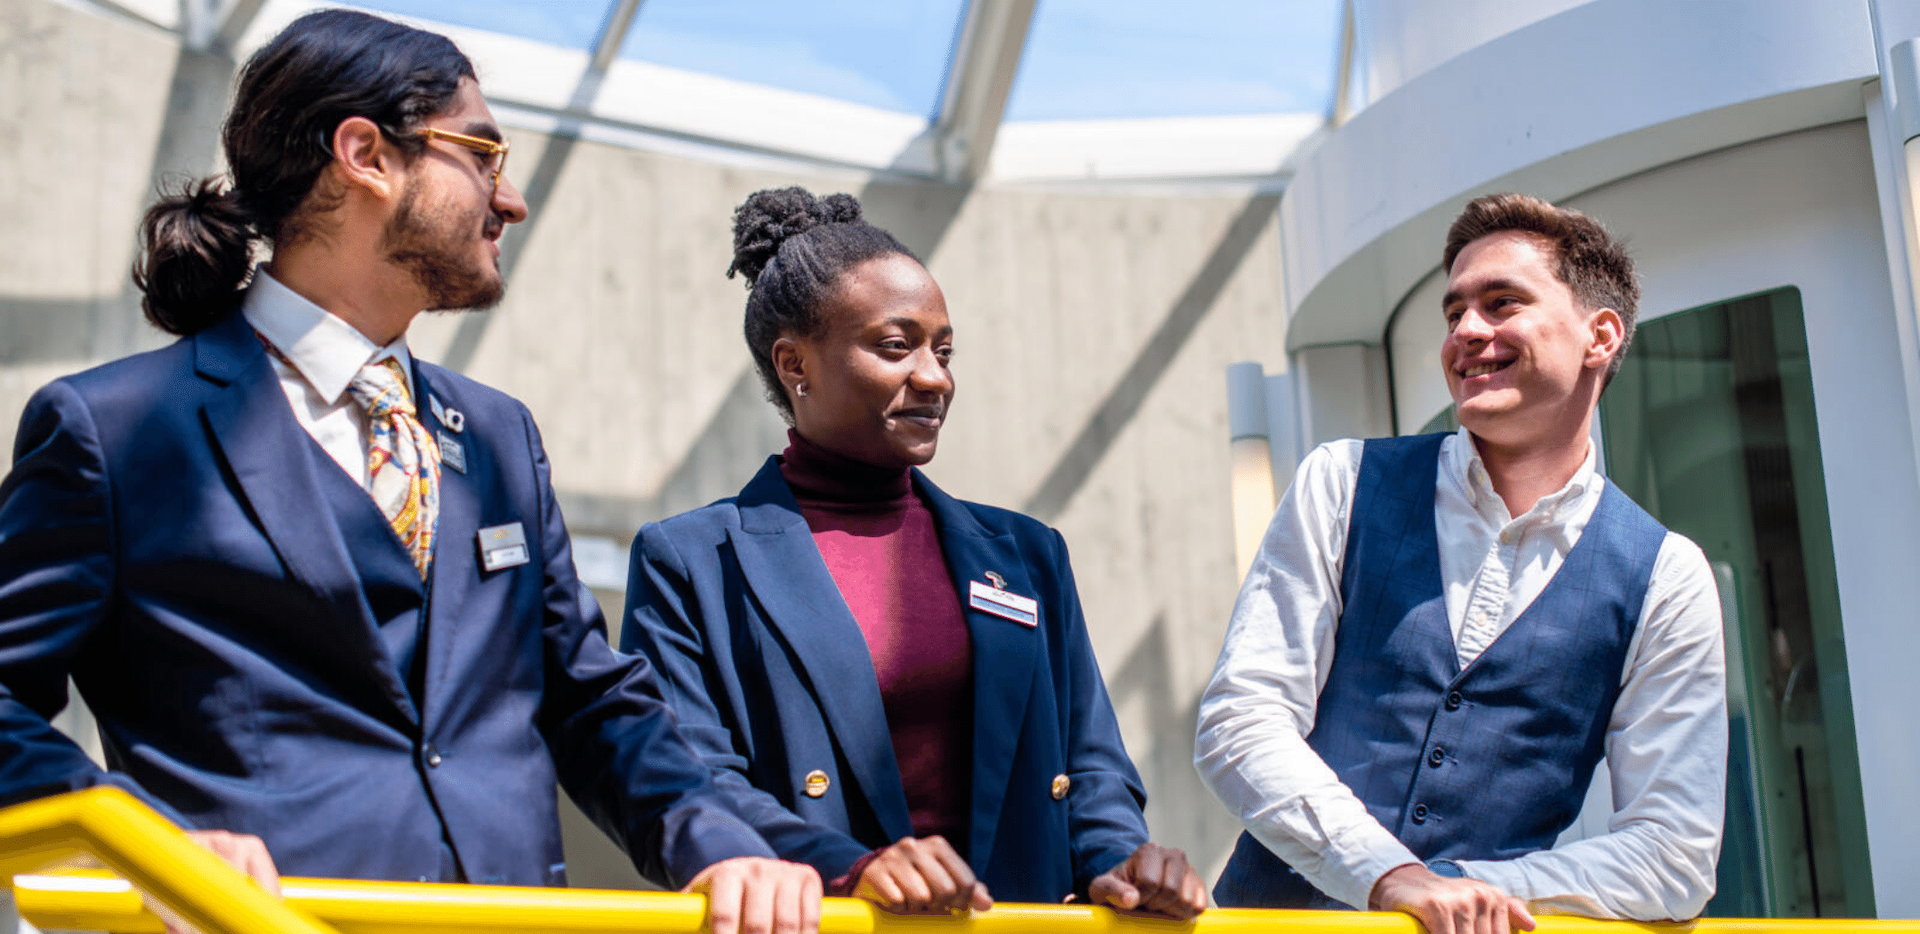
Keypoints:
pixel 843 885
pixel 1504 875
pixel 1366 858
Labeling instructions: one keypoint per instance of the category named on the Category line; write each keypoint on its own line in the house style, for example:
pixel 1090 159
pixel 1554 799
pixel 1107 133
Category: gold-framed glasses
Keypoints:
pixel 495 150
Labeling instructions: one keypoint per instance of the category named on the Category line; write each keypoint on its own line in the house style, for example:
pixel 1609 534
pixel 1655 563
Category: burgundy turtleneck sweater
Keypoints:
pixel 881 546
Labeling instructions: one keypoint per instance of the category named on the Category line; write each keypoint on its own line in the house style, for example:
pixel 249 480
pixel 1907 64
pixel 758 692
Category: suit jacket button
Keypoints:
pixel 817 783
pixel 1060 785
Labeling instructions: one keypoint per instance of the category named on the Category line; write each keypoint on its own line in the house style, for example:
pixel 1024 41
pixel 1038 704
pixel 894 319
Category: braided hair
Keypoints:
pixel 793 248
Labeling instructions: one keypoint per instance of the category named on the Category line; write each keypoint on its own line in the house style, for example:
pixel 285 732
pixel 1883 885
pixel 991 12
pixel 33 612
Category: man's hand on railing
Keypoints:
pixel 244 852
pixel 1155 880
pixel 1449 906
pixel 922 875
pixel 755 895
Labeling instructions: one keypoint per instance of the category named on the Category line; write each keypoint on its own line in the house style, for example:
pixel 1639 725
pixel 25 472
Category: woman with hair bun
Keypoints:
pixel 893 685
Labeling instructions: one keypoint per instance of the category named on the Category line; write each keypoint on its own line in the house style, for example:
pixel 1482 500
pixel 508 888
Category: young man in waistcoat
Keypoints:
pixel 1443 635
pixel 318 592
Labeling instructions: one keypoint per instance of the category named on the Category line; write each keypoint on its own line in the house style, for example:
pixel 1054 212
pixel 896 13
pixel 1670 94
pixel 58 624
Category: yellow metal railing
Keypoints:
pixel 158 858
pixel 111 826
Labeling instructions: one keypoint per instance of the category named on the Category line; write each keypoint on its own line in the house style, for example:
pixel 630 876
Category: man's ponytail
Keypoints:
pixel 195 252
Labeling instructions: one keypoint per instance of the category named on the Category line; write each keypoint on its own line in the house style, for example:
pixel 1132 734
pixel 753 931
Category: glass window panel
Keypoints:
pixel 1710 426
pixel 571 23
pixel 881 53
pixel 1119 59
pixel 1447 420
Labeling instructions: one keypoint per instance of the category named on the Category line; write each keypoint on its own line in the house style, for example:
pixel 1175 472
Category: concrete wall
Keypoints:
pixel 1093 330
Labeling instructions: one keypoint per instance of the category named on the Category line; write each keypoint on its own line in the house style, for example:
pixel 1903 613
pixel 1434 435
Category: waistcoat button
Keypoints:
pixel 1454 700
pixel 1060 785
pixel 1436 757
pixel 1419 813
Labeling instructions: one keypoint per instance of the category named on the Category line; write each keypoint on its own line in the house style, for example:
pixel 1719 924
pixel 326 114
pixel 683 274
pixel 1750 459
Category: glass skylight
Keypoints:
pixel 573 24
pixel 886 54
pixel 1123 59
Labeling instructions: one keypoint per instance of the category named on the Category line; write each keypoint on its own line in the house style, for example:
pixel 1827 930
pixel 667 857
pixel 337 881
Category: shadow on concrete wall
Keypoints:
pixel 537 193
pixel 917 212
pixel 83 330
pixel 1180 810
pixel 743 429
pixel 1124 400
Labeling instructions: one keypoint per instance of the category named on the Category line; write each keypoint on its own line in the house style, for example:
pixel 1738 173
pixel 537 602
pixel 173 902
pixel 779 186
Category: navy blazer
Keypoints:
pixel 163 538
pixel 772 680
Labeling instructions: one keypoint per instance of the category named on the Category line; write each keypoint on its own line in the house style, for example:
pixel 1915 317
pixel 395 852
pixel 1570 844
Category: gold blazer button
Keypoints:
pixel 818 783
pixel 1060 785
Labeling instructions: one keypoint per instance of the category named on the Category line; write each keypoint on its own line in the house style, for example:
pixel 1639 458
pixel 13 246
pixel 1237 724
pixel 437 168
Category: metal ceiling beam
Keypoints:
pixel 986 58
pixel 207 25
pixel 614 35
pixel 1343 75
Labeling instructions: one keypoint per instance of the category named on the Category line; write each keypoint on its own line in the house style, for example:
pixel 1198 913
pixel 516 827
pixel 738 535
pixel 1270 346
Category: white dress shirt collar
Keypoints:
pixel 1464 466
pixel 325 350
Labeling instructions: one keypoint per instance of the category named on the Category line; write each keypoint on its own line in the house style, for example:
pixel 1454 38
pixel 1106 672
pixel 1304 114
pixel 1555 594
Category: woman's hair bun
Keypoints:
pixel 770 216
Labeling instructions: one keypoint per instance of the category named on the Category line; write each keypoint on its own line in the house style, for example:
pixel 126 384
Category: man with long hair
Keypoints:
pixel 317 592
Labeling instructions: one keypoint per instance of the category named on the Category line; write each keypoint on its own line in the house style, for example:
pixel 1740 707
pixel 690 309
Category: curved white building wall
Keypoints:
pixel 1396 41
pixel 1599 92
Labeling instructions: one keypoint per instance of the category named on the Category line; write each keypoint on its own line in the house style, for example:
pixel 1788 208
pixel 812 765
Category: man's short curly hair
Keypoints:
pixel 1591 262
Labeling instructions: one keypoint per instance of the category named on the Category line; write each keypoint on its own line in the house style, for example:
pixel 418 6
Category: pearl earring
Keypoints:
pixel 801 389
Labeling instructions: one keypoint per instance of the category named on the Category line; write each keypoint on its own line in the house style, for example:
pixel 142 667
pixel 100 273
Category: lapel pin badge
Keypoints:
pixel 450 417
pixel 999 583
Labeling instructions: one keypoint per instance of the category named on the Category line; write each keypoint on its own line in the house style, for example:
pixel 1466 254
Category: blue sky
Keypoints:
pixel 1085 59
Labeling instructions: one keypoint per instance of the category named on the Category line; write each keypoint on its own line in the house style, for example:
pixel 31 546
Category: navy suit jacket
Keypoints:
pixel 772 680
pixel 164 539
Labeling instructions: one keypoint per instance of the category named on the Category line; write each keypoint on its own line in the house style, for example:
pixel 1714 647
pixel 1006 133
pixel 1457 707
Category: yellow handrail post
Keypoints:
pixel 151 853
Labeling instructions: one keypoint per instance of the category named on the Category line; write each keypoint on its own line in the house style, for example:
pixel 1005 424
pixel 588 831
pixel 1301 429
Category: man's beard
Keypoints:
pixel 433 248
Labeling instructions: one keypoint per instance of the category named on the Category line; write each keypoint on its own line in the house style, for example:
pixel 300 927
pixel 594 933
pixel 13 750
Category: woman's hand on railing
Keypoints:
pixel 922 875
pixel 1155 880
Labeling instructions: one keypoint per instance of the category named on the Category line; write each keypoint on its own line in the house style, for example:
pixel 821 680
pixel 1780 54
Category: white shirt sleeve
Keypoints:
pixel 1667 752
pixel 1251 748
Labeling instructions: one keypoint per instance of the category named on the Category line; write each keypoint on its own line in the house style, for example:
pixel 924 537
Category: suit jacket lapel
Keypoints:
pixel 456 568
pixel 784 571
pixel 1003 655
pixel 267 450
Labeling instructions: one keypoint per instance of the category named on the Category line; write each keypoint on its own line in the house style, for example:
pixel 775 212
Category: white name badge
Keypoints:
pixel 503 546
pixel 1001 603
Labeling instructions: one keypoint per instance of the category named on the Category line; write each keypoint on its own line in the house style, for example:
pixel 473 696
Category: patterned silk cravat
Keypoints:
pixel 403 462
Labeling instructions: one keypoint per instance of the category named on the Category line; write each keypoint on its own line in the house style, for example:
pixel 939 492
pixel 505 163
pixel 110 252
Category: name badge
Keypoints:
pixel 1004 604
pixel 451 453
pixel 503 546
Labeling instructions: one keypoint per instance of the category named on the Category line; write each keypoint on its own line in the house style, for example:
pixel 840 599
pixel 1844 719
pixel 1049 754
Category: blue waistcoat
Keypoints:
pixel 395 593
pixel 1489 762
